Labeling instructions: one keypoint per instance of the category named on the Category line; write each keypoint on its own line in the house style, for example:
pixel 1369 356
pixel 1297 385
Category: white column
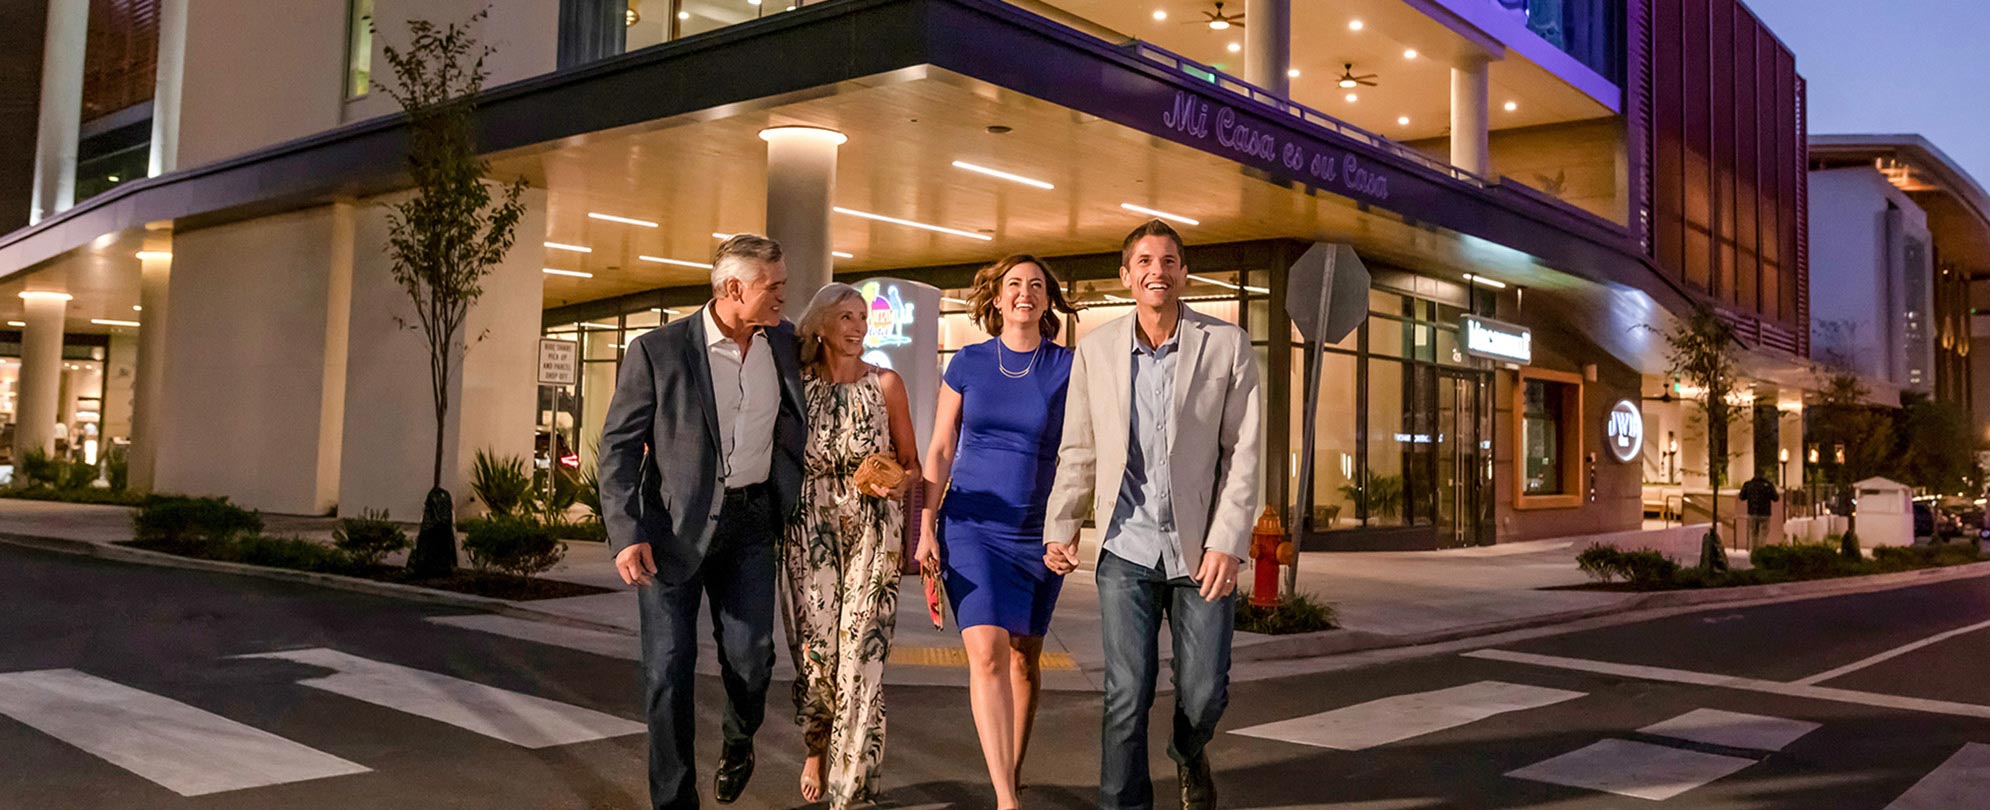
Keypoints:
pixel 1268 45
pixel 155 270
pixel 801 193
pixel 61 108
pixel 41 372
pixel 1471 97
pixel 166 92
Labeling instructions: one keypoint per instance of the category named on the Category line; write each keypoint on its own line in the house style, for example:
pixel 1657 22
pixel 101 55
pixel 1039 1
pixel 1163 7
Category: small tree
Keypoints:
pixel 450 234
pixel 1941 451
pixel 1844 420
pixel 1700 352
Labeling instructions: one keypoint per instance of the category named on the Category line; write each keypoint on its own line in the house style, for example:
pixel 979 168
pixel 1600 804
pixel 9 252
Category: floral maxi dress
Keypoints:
pixel 840 563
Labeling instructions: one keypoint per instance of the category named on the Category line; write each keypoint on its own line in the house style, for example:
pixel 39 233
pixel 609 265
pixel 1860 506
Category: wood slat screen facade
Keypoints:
pixel 121 59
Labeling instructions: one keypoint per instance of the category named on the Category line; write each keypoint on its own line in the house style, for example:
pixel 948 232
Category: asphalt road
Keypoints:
pixel 125 686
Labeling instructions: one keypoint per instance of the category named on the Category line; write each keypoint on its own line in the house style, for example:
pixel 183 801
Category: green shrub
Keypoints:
pixel 513 546
pixel 182 522
pixel 1802 560
pixel 92 495
pixel 369 538
pixel 1301 613
pixel 75 475
pixel 283 552
pixel 501 483
pixel 1602 563
pixel 590 491
pixel 593 531
pixel 37 467
pixel 1648 569
pixel 117 470
pixel 1905 558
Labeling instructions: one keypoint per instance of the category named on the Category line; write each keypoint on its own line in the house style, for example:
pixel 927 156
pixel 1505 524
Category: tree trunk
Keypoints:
pixel 434 554
pixel 1713 557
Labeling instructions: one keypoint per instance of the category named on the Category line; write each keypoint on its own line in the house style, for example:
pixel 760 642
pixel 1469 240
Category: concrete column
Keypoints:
pixel 801 193
pixel 155 270
pixel 166 92
pixel 1268 45
pixel 61 108
pixel 41 372
pixel 1471 98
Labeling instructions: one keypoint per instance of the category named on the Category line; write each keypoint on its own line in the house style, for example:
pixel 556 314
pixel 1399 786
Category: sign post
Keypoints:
pixel 559 367
pixel 1326 297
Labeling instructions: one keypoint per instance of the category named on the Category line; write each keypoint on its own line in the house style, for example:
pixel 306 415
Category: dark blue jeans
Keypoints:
pixel 737 577
pixel 1133 598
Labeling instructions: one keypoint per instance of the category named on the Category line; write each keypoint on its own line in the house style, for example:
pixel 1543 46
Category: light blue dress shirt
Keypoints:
pixel 1143 523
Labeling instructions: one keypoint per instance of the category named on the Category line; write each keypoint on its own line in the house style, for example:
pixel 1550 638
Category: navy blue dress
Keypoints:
pixel 991 523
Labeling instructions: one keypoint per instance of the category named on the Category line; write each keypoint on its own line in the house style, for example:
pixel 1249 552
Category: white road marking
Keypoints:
pixel 1635 769
pixel 594 641
pixel 1746 684
pixel 520 719
pixel 1890 654
pixel 1962 781
pixel 186 750
pixel 1732 729
pixel 1392 719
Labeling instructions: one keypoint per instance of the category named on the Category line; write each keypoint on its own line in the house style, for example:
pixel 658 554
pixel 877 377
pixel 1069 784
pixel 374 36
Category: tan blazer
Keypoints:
pixel 1213 451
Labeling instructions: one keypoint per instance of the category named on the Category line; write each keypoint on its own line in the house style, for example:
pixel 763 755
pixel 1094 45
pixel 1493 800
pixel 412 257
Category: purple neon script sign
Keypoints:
pixel 1190 116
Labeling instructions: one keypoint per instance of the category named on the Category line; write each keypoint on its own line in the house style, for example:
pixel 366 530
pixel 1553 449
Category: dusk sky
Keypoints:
pixel 1901 66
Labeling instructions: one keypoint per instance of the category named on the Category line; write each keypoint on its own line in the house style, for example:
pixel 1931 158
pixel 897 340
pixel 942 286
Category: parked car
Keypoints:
pixel 1924 520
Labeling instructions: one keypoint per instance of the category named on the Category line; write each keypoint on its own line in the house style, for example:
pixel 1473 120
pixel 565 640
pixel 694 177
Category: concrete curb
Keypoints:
pixel 392 590
pixel 1338 642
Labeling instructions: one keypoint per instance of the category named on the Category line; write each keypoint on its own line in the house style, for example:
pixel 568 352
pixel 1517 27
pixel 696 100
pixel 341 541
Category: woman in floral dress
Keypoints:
pixel 841 558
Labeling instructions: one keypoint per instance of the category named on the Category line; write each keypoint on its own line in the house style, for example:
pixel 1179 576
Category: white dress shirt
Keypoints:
pixel 748 394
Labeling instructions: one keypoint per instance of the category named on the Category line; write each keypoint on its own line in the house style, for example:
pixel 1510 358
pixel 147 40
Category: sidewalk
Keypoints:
pixel 1381 597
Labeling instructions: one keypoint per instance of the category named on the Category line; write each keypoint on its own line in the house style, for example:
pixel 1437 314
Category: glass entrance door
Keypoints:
pixel 1464 460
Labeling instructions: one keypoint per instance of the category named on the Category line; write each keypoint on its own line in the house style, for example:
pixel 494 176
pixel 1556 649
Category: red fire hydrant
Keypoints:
pixel 1268 550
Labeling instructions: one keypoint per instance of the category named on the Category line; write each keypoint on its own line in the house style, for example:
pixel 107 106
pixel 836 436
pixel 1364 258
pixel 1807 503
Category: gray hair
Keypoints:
pixel 743 257
pixel 816 319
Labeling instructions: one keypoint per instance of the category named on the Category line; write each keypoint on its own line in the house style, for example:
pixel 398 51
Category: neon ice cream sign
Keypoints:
pixel 889 315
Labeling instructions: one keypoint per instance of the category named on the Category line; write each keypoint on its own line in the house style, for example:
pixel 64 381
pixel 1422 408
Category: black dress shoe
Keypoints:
pixel 1198 787
pixel 735 767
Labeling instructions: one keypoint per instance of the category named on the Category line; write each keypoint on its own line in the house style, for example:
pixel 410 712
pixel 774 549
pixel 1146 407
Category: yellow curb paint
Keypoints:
pixel 1051 661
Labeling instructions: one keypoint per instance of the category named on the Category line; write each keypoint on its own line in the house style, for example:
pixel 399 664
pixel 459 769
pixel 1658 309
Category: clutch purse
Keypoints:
pixel 936 597
pixel 877 472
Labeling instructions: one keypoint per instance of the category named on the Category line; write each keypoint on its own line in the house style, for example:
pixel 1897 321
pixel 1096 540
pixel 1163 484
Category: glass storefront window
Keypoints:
pixel 1336 441
pixel 1541 438
pixel 1381 497
pixel 359 49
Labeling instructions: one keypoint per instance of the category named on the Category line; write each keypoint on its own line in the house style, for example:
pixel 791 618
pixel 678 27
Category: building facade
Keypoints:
pixel 1560 170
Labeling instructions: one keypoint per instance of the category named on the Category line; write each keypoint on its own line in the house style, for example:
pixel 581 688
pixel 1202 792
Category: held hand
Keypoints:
pixel 1061 558
pixel 928 553
pixel 636 564
pixel 1217 576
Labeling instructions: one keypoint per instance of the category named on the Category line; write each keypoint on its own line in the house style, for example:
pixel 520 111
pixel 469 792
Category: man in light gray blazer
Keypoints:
pixel 701 462
pixel 1161 446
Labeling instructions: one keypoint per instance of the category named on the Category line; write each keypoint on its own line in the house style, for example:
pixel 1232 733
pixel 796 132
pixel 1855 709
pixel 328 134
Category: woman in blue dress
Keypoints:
pixel 993 455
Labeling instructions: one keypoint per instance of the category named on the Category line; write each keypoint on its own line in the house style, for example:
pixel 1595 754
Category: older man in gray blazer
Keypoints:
pixel 1161 446
pixel 701 461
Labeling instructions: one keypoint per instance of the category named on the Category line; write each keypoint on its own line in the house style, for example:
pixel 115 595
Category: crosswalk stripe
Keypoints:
pixel 1732 729
pixel 1392 719
pixel 186 750
pixel 1962 781
pixel 1635 769
pixel 520 719
pixel 613 645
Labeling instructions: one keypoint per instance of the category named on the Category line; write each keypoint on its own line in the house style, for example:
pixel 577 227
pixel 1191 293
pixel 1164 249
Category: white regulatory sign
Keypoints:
pixel 558 362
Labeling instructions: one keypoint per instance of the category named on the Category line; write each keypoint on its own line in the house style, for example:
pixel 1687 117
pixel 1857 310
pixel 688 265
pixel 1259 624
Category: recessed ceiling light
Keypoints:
pixel 1403 120
pixel 1354 25
pixel 953 301
pixel 1511 106
pixel 1293 73
pixel 1160 15
pixel 684 15
pixel 137 308
pixel 1409 53
pixel 1235 47
pixel 1351 98
pixel 1014 178
pixel 574 248
pixel 678 262
pixel 1218 25
pixel 569 273
pixel 1493 283
pixel 721 236
pixel 841 255
pixel 624 220
pixel 155 254
pixel 47 295
pixel 920 225
pixel 17 323
pixel 1162 214
pixel 109 322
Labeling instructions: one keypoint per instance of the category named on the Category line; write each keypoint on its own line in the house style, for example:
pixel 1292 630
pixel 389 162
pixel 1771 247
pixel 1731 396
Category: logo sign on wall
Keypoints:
pixel 1624 433
pixel 1496 340
pixel 904 336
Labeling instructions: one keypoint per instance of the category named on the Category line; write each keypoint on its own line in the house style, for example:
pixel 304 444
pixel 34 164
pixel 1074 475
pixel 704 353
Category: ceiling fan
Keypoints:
pixel 1350 81
pixel 1217 20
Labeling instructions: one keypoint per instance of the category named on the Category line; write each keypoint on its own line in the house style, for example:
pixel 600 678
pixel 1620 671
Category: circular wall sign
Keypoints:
pixel 1624 433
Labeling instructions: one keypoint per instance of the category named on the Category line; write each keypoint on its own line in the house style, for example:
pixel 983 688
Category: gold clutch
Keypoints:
pixel 878 472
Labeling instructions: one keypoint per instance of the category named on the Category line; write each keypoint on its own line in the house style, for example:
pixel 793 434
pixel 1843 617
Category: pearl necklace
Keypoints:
pixel 1016 375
